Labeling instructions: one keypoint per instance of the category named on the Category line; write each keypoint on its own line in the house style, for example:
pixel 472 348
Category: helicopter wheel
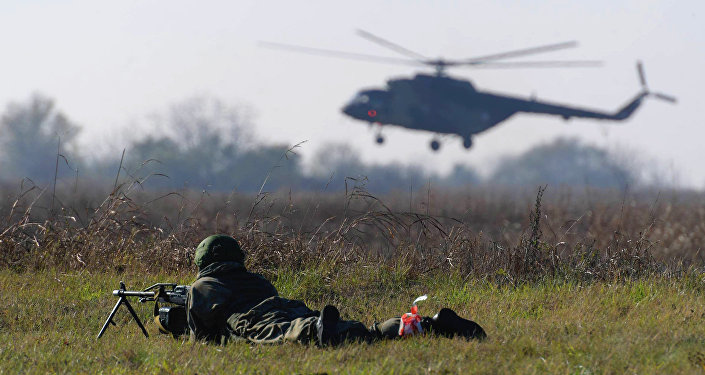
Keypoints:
pixel 435 145
pixel 467 142
pixel 380 139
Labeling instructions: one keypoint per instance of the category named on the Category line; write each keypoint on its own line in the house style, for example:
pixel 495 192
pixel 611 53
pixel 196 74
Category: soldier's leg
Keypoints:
pixel 352 331
pixel 275 325
pixel 304 330
pixel 445 323
pixel 389 329
pixel 448 323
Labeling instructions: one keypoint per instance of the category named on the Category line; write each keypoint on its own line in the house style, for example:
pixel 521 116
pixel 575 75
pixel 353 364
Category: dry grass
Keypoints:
pixel 507 236
pixel 562 281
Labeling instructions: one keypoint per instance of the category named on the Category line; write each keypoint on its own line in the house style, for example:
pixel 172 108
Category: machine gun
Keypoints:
pixel 169 319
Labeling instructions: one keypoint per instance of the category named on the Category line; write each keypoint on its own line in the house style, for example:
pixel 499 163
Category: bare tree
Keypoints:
pixel 201 120
pixel 29 136
pixel 203 143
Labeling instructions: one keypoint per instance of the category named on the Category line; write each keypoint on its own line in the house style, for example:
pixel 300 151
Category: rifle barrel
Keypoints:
pixel 132 293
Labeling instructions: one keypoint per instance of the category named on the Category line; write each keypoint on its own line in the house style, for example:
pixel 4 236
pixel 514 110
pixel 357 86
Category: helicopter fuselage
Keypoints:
pixel 445 105
pixel 433 103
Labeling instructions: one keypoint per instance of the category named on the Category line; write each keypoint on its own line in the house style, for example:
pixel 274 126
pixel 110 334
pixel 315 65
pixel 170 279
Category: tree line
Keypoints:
pixel 205 144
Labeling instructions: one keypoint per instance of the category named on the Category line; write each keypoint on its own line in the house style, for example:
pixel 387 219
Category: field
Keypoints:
pixel 563 281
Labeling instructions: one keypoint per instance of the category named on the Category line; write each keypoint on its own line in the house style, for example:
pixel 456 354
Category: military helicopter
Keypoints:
pixel 444 105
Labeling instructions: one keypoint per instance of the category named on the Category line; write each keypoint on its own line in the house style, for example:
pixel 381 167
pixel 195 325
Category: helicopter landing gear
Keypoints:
pixel 467 142
pixel 435 145
pixel 379 138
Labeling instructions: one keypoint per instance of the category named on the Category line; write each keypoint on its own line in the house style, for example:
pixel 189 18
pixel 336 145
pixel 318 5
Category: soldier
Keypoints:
pixel 229 303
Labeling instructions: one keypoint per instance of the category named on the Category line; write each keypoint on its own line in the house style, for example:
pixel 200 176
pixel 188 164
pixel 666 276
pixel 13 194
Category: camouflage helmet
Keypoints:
pixel 218 248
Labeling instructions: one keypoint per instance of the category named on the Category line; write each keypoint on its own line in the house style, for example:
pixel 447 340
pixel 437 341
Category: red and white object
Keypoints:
pixel 411 322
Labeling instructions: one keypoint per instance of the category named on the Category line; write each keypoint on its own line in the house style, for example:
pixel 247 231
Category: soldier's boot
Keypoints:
pixel 449 324
pixel 327 326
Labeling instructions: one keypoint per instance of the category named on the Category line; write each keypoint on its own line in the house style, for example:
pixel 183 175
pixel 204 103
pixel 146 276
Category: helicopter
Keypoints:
pixel 442 104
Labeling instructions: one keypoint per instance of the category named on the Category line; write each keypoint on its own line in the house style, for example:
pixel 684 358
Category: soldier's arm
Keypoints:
pixel 205 313
pixel 268 289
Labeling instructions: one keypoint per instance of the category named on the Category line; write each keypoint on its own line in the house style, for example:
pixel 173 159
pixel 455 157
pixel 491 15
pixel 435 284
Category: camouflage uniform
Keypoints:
pixel 229 303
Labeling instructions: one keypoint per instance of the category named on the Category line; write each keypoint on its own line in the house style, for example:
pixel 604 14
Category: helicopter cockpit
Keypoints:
pixel 367 105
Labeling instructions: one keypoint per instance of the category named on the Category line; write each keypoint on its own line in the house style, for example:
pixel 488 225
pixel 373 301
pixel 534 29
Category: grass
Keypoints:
pixel 576 283
pixel 128 231
pixel 49 320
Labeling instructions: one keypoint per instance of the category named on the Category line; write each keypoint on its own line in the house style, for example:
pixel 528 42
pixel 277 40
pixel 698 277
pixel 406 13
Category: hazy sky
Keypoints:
pixel 110 64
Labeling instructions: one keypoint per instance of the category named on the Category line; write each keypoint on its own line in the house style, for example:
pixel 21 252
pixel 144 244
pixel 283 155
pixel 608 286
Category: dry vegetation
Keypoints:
pixel 563 281
pixel 505 235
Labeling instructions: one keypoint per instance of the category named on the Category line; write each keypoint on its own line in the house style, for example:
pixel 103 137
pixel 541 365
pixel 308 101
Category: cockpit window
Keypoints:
pixel 362 99
pixel 377 99
pixel 372 98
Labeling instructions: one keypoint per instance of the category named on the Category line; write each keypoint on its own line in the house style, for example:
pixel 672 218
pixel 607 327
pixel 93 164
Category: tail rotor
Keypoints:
pixel 645 87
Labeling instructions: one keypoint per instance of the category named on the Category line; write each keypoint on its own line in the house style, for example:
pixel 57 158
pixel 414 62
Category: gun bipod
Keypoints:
pixel 122 300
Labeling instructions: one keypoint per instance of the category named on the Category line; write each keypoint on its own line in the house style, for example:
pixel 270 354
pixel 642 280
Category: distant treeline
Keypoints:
pixel 203 144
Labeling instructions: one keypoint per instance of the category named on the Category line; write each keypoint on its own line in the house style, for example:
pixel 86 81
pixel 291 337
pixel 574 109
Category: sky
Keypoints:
pixel 110 65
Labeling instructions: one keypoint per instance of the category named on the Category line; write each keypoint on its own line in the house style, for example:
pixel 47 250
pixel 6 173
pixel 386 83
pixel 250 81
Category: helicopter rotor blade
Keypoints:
pixel 529 64
pixel 642 76
pixel 523 52
pixel 416 59
pixel 392 46
pixel 665 97
pixel 339 54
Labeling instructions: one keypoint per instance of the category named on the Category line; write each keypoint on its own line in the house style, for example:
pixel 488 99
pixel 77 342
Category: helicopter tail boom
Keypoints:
pixel 629 109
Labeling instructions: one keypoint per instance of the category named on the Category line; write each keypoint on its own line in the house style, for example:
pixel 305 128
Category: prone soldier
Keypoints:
pixel 228 303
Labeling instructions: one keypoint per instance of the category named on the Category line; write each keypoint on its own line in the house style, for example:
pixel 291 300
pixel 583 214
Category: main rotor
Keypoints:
pixel 439 64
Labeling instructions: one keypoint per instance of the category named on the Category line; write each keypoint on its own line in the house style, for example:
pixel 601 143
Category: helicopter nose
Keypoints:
pixel 360 112
pixel 352 110
pixel 347 110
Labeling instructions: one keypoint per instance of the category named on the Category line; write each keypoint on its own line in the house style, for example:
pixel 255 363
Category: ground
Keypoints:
pixel 49 322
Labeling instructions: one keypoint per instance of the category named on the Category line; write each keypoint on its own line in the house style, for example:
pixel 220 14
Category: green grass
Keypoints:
pixel 48 323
